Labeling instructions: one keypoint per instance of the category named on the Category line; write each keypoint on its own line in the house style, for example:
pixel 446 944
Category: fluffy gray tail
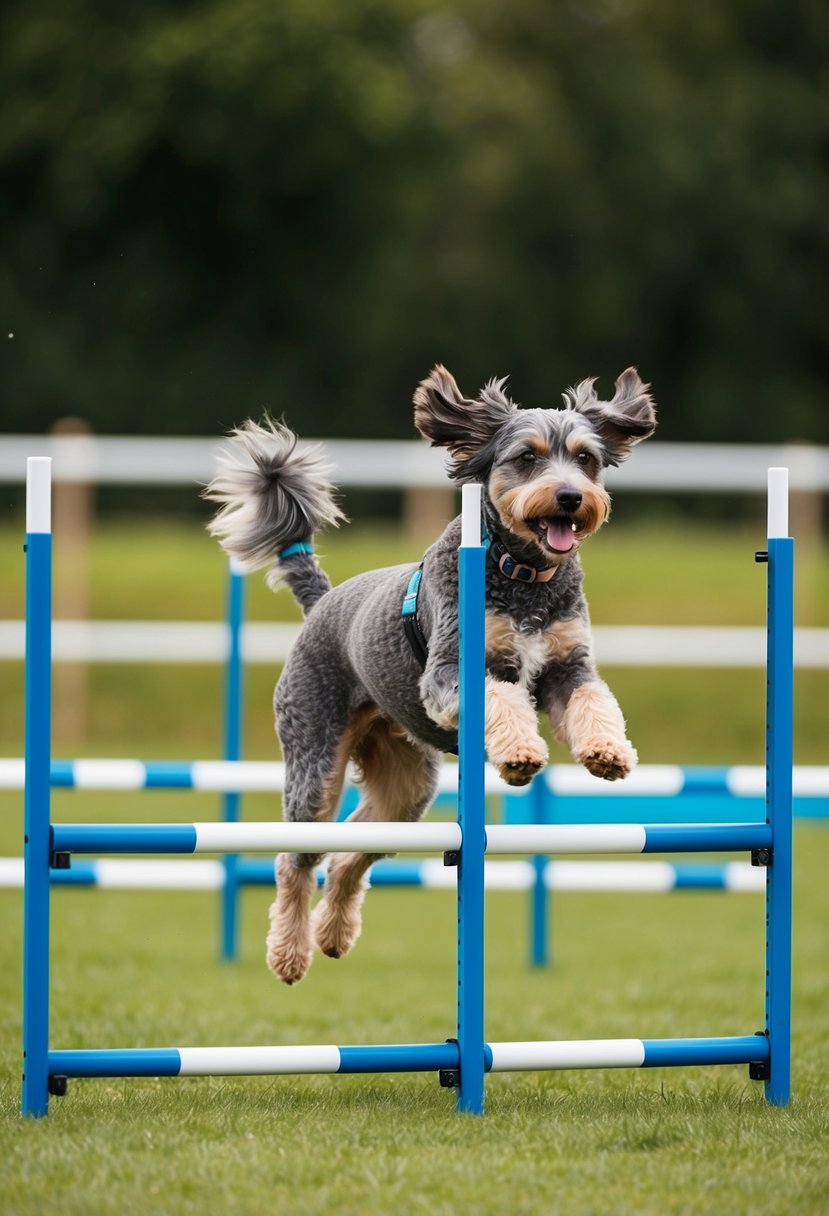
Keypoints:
pixel 273 495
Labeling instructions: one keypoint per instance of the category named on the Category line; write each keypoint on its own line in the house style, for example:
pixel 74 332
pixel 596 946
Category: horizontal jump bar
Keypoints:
pixel 238 776
pixel 427 1057
pixel 206 776
pixel 116 873
pixel 626 838
pixel 406 838
pixel 222 837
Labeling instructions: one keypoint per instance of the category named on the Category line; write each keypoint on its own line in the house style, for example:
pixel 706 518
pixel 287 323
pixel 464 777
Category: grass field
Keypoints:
pixel 136 969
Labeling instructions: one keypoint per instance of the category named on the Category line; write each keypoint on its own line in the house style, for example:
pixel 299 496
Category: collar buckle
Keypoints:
pixel 520 572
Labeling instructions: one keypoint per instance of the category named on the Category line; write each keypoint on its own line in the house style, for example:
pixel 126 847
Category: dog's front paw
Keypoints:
pixel 288 960
pixel 336 928
pixel 522 763
pixel 608 758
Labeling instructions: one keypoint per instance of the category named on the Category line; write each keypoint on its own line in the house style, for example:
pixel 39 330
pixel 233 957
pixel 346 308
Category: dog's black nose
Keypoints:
pixel 569 500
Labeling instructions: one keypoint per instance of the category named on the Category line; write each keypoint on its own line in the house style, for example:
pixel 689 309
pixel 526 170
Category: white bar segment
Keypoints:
pixel 327 837
pixel 810 782
pixel 435 875
pixel 471 516
pixel 229 776
pixel 12 774
pixel 576 1053
pixel 119 874
pixel 778 502
pixel 39 494
pixel 493 784
pixel 11 872
pixel 743 876
pixel 498 875
pixel 746 781
pixel 256 1061
pixel 666 779
pixel 609 876
pixel 109 774
pixel 565 838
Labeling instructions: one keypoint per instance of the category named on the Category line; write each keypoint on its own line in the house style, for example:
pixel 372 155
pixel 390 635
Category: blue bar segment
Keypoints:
pixel 705 780
pixel 471 817
pixel 36 844
pixel 62 774
pixel 539 896
pixel 411 1057
pixel 396 874
pixel 255 871
pixel 124 837
pixel 81 874
pixel 231 802
pixel 129 1062
pixel 675 1053
pixel 699 878
pixel 779 701
pixel 706 838
pixel 162 775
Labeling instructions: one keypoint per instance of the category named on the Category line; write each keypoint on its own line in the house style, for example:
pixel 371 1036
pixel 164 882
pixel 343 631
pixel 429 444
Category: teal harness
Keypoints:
pixel 509 566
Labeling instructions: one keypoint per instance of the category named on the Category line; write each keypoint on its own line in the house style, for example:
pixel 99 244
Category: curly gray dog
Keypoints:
pixel 359 686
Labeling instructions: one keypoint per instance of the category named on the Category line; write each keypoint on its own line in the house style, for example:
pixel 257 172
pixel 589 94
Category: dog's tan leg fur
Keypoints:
pixel 594 729
pixel 513 743
pixel 289 947
pixel 398 782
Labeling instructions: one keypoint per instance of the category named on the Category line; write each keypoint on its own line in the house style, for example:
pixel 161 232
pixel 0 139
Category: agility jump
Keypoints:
pixel 463 1062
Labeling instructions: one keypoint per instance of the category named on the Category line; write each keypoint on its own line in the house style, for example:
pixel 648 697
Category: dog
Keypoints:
pixel 368 684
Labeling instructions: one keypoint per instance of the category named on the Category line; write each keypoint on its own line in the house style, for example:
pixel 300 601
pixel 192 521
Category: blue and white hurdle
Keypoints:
pixel 117 874
pixel 464 1061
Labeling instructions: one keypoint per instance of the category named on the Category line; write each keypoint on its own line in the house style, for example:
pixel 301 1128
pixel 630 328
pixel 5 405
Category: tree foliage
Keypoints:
pixel 213 208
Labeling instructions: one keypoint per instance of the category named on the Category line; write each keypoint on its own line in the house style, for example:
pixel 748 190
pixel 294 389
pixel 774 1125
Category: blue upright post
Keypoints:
pixel 539 895
pixel 234 688
pixel 36 845
pixel 471 807
pixel 780 665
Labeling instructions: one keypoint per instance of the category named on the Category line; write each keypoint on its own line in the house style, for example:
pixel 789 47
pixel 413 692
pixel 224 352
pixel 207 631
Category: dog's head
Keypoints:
pixel 542 469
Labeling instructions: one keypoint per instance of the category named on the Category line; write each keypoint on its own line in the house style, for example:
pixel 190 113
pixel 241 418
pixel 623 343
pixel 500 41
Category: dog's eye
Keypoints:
pixel 527 458
pixel 584 459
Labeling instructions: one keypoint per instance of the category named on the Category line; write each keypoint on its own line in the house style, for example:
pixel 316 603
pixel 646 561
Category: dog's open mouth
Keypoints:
pixel 557 532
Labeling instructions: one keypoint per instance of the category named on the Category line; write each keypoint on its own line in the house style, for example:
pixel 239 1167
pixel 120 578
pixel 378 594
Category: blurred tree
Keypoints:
pixel 213 208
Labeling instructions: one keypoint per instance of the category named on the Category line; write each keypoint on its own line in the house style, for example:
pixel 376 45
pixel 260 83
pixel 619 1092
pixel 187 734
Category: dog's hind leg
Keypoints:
pixel 315 762
pixel 399 780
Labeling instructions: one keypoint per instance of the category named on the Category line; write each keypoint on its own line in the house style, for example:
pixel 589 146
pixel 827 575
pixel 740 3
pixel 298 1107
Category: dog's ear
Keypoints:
pixel 626 420
pixel 448 419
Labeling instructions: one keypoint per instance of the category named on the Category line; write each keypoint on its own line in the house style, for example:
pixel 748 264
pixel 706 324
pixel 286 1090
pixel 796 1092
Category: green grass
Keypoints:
pixel 136 969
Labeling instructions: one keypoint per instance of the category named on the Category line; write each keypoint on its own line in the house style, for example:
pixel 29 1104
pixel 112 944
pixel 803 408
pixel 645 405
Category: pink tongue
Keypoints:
pixel 560 534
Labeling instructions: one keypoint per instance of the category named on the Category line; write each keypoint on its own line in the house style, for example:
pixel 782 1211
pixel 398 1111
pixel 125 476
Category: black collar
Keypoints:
pixel 519 572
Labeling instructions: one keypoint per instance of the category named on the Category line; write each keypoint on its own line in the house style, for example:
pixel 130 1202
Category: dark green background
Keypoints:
pixel 209 209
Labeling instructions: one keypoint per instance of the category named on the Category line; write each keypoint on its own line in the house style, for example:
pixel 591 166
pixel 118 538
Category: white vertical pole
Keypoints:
pixel 778 502
pixel 39 494
pixel 471 516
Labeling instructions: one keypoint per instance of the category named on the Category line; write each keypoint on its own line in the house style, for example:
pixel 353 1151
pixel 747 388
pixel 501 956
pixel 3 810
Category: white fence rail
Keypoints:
pixel 269 643
pixel 405 464
pixel 409 465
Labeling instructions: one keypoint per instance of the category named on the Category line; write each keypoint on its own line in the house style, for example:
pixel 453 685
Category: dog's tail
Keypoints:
pixel 274 496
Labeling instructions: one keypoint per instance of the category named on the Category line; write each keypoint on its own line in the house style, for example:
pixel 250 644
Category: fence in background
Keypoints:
pixel 82 460
pixel 698 468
